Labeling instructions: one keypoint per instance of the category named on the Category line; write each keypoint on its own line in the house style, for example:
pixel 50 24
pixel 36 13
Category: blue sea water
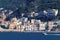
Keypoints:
pixel 26 36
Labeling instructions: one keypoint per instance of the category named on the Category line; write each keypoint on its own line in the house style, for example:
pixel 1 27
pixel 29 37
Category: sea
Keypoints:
pixel 27 36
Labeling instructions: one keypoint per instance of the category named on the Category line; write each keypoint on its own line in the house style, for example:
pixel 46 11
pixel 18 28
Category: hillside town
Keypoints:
pixel 29 23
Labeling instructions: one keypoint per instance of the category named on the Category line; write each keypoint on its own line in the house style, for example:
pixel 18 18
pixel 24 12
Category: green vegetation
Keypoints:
pixel 30 5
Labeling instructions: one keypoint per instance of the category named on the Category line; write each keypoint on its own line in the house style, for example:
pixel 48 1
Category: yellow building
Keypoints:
pixel 12 26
